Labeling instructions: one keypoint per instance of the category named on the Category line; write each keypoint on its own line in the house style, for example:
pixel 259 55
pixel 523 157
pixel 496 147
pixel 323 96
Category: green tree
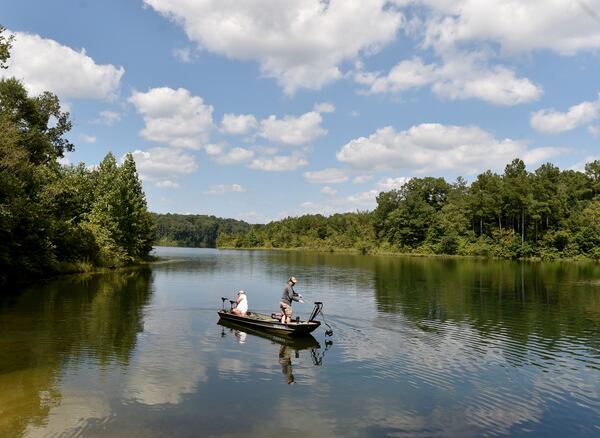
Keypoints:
pixel 5 45
pixel 592 170
pixel 135 222
pixel 518 194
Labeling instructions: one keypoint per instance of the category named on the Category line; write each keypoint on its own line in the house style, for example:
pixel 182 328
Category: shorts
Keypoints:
pixel 287 309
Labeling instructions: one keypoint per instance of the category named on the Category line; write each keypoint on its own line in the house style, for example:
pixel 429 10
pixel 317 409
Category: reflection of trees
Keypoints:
pixel 548 300
pixel 70 319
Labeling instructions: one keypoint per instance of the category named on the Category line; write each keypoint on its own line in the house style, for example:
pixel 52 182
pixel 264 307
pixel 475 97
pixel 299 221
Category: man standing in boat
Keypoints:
pixel 287 297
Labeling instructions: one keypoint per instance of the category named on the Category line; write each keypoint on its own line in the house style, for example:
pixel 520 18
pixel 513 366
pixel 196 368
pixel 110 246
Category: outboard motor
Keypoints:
pixel 319 309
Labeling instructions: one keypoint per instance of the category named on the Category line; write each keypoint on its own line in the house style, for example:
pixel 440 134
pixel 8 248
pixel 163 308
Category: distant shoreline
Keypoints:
pixel 376 252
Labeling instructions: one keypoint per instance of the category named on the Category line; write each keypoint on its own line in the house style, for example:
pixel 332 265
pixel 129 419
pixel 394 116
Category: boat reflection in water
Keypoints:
pixel 289 347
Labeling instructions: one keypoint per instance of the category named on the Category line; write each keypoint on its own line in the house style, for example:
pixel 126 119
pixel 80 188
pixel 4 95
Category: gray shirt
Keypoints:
pixel 289 295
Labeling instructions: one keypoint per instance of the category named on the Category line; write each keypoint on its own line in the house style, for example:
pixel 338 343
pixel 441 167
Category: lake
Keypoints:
pixel 421 347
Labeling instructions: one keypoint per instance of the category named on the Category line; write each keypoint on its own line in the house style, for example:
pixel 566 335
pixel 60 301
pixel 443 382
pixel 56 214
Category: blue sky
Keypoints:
pixel 261 109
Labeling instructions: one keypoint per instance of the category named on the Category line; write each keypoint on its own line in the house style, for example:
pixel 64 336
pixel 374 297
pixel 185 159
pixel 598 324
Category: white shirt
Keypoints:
pixel 242 306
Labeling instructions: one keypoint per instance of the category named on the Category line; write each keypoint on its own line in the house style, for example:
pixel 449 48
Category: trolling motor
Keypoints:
pixel 230 303
pixel 319 310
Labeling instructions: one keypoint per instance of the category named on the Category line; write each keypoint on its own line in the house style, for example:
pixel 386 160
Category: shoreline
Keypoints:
pixel 80 268
pixel 378 252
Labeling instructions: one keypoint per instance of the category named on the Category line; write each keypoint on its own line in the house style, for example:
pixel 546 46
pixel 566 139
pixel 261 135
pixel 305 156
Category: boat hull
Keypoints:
pixel 304 342
pixel 265 322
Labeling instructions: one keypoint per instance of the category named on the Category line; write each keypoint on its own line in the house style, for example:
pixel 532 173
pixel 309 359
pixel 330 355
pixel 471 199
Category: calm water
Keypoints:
pixel 421 347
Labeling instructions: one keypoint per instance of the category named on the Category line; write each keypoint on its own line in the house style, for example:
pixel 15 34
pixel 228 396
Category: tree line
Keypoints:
pixel 197 231
pixel 60 218
pixel 549 213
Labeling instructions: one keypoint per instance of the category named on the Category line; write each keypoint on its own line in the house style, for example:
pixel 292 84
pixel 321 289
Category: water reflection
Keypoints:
pixel 289 350
pixel 423 347
pixel 72 322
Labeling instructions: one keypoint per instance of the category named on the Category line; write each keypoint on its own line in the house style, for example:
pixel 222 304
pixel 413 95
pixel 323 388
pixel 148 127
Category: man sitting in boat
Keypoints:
pixel 287 297
pixel 241 304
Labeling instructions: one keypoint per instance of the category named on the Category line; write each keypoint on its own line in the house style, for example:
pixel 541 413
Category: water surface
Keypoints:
pixel 421 347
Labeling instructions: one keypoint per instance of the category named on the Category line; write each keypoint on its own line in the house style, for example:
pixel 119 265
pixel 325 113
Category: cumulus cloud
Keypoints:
pixel 405 75
pixel 432 147
pixel 324 107
pixel 238 124
pixel 235 155
pixel 163 165
pixel 326 176
pixel 219 189
pixel 361 179
pixel 300 43
pixel 329 190
pixel 550 121
pixel 341 204
pixel 292 130
pixel 388 184
pixel 563 26
pixel 278 163
pixel 174 117
pixel 45 65
pixel 108 118
pixel 464 76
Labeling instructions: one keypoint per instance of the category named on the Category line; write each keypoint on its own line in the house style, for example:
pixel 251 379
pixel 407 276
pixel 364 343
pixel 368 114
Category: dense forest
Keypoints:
pixel 547 213
pixel 197 231
pixel 61 218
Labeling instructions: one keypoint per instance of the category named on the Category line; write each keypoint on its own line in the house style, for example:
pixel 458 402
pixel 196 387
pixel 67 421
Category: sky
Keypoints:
pixel 262 109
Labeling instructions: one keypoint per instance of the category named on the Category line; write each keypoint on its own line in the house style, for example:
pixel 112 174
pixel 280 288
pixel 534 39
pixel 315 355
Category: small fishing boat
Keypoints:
pixel 298 343
pixel 262 321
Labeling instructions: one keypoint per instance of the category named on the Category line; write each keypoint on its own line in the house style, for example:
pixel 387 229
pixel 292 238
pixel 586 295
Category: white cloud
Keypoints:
pixel 329 190
pixel 336 204
pixel 324 107
pixel 167 184
pixel 387 184
pixel 238 124
pixel 361 179
pixel 405 75
pixel 462 76
pixel 235 155
pixel 278 163
pixel 293 130
pixel 563 26
pixel 326 176
pixel 219 189
pixel 215 149
pixel 45 65
pixel 550 121
pixel 184 54
pixel 161 164
pixel 174 117
pixel 301 43
pixel 88 138
pixel 108 118
pixel 432 147
pixel 594 130
pixel 497 85
pixel 363 200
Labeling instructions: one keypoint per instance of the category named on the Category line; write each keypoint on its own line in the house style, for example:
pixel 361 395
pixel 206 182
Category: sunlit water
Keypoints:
pixel 421 347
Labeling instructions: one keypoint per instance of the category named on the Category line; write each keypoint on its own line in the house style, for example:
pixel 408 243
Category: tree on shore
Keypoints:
pixel 56 218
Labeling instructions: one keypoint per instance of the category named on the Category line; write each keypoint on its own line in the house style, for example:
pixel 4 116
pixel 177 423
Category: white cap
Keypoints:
pixel 241 292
